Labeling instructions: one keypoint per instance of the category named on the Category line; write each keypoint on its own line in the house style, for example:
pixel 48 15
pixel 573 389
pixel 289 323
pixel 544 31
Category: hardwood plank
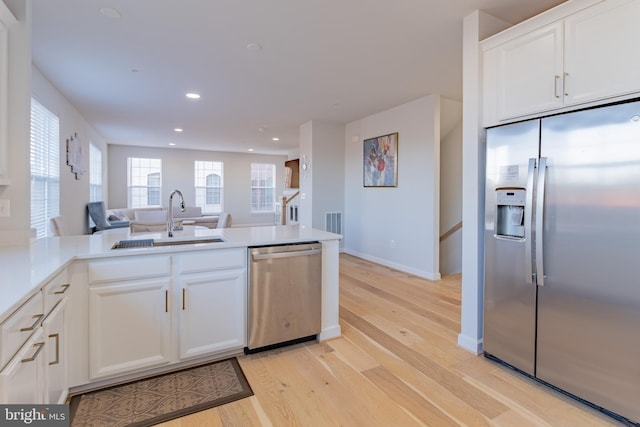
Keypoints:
pixel 397 363
pixel 479 400
pixel 408 398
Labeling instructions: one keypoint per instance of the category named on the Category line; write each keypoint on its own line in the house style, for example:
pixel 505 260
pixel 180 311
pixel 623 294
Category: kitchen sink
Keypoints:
pixel 150 243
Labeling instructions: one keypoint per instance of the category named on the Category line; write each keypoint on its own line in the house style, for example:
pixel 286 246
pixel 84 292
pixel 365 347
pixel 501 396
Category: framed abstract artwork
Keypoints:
pixel 380 161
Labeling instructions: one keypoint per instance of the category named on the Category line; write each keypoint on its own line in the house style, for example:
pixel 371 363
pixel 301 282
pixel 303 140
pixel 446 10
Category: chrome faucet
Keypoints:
pixel 170 227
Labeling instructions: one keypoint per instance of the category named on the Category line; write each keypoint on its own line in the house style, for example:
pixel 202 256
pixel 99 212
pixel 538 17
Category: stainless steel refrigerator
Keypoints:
pixel 562 253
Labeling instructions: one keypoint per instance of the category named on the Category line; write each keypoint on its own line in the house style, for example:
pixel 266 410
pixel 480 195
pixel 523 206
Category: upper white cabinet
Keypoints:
pixel 527 73
pixel 601 51
pixel 584 57
pixel 6 20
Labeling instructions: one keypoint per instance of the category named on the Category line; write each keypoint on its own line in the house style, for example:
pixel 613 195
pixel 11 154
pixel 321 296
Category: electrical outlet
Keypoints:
pixel 392 244
pixel 5 207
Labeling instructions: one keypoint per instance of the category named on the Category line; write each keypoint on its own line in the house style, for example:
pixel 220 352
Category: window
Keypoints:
pixel 144 182
pixel 95 173
pixel 263 187
pixel 209 186
pixel 45 168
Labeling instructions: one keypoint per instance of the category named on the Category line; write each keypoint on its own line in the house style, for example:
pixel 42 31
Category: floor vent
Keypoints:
pixel 333 222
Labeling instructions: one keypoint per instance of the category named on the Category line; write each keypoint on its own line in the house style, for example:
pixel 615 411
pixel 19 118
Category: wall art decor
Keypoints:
pixel 75 156
pixel 380 161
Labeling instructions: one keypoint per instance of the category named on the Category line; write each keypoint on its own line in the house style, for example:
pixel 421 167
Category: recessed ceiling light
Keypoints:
pixel 110 12
pixel 178 129
pixel 250 150
pixel 254 47
pixel 193 95
pixel 172 144
pixel 275 138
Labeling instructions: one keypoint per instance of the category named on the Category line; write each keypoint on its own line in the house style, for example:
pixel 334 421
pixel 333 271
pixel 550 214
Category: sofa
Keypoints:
pixel 158 217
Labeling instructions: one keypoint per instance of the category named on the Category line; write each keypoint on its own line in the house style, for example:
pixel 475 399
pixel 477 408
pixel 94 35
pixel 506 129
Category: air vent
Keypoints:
pixel 333 222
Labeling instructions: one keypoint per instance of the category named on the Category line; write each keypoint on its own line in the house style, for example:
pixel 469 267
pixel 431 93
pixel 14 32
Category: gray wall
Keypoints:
pixel 177 173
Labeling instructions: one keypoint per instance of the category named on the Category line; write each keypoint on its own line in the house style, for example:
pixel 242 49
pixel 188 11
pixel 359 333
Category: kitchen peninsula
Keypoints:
pixel 104 316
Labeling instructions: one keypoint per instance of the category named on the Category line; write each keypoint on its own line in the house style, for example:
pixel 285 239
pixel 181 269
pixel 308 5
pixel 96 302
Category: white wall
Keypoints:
pixel 178 173
pixel 322 184
pixel 74 193
pixel 476 27
pixel 14 229
pixel 409 213
pixel 451 188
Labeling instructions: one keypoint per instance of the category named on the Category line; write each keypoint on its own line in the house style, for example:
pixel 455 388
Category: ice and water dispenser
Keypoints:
pixel 510 212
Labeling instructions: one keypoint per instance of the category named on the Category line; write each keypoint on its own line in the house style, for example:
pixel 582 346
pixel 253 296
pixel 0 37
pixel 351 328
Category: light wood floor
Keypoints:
pixel 396 364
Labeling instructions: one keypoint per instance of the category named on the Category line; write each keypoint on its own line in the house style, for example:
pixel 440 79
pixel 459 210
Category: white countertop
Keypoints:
pixel 26 269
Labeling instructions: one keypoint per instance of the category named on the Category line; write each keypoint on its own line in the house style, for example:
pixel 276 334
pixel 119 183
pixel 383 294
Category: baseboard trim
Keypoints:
pixel 470 344
pixel 400 267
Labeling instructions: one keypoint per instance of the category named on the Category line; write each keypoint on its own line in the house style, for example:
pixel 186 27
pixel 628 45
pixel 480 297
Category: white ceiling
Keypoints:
pixel 326 60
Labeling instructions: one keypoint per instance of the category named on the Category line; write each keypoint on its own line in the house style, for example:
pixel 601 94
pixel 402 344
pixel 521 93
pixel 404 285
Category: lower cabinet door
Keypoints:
pixel 56 354
pixel 22 380
pixel 212 312
pixel 129 327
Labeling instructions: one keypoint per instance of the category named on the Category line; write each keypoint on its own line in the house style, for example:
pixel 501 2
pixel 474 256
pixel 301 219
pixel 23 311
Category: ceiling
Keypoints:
pixel 332 61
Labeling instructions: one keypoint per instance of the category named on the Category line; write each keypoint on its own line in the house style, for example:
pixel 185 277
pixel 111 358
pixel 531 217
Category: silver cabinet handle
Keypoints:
pixel 40 345
pixel 528 223
pixel 286 254
pixel 62 290
pixel 542 175
pixel 57 337
pixel 555 85
pixel 184 290
pixel 38 318
pixel 564 84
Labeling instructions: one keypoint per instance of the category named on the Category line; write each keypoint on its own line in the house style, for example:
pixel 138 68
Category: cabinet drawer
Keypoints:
pixel 194 262
pixel 55 290
pixel 137 267
pixel 17 329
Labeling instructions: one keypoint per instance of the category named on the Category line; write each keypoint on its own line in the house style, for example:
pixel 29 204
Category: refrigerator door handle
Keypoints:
pixel 528 210
pixel 542 175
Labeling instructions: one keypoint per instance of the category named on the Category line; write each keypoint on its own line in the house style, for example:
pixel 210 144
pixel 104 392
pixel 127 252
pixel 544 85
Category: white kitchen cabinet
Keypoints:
pixel 601 45
pixel 6 21
pixel 212 313
pixel 581 59
pixel 23 379
pixel 129 326
pixel 55 334
pixel 211 289
pixel 146 312
pixel 32 343
pixel 527 73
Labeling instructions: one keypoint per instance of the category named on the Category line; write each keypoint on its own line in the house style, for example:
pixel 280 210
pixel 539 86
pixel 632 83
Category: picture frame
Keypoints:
pixel 380 161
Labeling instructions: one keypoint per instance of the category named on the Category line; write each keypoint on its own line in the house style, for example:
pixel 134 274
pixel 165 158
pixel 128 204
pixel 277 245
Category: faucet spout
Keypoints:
pixel 170 226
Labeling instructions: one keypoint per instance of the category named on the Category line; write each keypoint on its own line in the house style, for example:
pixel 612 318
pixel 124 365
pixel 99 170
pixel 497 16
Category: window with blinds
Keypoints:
pixel 45 168
pixel 95 173
pixel 209 186
pixel 144 182
pixel 263 187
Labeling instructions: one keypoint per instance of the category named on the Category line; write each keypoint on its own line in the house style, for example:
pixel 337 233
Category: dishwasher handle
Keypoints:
pixel 289 254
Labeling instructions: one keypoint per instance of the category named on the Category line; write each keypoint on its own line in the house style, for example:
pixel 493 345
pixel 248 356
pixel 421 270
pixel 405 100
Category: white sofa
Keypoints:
pixel 156 217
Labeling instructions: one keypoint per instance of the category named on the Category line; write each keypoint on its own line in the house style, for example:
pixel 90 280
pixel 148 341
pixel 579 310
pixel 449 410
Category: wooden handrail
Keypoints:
pixel 285 201
pixel 452 230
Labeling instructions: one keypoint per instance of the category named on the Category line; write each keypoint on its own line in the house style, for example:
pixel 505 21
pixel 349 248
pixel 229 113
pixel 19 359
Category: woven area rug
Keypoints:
pixel 154 400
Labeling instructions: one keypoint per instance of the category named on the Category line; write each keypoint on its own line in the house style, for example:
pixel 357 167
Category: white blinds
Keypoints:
pixel 95 173
pixel 45 168
pixel 263 186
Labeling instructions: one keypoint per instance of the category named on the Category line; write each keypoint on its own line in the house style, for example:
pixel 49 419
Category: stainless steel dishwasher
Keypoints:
pixel 285 294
